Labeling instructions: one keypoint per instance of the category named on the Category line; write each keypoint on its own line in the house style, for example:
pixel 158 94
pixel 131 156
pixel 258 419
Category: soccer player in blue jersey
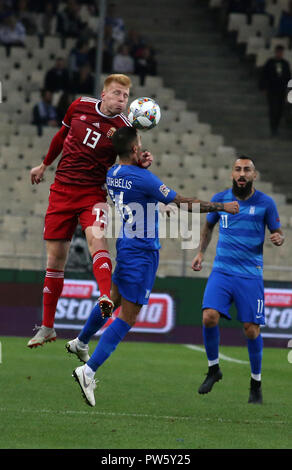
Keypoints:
pixel 237 274
pixel 136 193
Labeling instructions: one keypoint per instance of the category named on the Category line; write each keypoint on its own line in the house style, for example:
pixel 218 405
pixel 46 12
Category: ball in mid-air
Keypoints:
pixel 144 113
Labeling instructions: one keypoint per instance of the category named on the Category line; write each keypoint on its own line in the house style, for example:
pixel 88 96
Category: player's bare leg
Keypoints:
pixel 255 348
pixel 108 342
pixel 211 341
pixel 80 345
pixel 102 267
pixel 57 253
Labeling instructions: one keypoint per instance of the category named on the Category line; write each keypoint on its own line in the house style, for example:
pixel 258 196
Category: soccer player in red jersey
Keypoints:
pixel 79 187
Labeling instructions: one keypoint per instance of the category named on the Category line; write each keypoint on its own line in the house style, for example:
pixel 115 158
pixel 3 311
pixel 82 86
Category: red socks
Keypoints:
pixel 102 270
pixel 54 281
pixel 53 287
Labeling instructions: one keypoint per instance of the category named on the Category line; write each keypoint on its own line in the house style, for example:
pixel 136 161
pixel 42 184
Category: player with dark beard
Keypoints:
pixel 237 274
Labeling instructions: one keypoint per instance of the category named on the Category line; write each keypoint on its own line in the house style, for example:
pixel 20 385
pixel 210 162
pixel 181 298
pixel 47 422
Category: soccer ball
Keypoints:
pixel 144 113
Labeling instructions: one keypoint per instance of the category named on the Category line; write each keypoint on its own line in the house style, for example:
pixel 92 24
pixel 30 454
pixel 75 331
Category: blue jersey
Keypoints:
pixel 136 192
pixel 241 236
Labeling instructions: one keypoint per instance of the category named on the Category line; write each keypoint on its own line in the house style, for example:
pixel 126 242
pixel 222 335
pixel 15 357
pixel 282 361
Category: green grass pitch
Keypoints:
pixel 146 399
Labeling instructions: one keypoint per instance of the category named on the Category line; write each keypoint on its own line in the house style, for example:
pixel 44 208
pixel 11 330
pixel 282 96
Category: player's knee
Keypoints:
pixel 210 317
pixel 251 330
pixel 116 298
pixel 56 261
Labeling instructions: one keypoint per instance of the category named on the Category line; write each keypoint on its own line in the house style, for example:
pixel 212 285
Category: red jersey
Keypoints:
pixel 87 150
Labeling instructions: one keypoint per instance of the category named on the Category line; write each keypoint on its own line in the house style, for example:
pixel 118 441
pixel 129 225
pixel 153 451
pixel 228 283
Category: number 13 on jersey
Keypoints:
pixel 91 138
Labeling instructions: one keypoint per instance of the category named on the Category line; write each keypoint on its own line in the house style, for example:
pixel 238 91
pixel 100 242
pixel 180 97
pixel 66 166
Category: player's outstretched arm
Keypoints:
pixel 56 146
pixel 206 236
pixel 277 237
pixel 230 207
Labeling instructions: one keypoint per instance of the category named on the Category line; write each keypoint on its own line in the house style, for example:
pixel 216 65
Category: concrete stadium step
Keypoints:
pixel 196 60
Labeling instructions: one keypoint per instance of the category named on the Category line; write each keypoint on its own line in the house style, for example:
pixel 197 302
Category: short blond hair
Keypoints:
pixel 123 80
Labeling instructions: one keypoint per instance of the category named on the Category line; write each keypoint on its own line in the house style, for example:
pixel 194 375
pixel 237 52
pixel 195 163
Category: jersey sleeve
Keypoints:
pixel 213 217
pixel 272 218
pixel 68 116
pixel 155 188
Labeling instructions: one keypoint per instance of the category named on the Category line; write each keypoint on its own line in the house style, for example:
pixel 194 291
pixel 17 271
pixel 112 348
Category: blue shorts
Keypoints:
pixel 247 294
pixel 135 274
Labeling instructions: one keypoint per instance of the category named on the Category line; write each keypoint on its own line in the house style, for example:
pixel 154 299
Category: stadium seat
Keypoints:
pixel 261 21
pixel 52 45
pixel 254 43
pixel 167 121
pixel 264 186
pixel 20 140
pixel 36 80
pixel 280 199
pixel 154 81
pixel 171 164
pixel 202 129
pixel 177 105
pixel 211 142
pixel 215 3
pixel 164 96
pixel 191 142
pixel 7 247
pixel 18 54
pixel 262 56
pixel 245 31
pixel 168 142
pixel 235 20
pixel 192 162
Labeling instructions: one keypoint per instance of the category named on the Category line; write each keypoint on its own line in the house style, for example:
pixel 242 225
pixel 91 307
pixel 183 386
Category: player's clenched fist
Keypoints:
pixel 37 173
pixel 197 262
pixel 231 207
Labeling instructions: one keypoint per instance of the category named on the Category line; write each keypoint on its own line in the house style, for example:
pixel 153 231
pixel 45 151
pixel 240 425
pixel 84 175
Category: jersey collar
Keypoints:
pixel 101 114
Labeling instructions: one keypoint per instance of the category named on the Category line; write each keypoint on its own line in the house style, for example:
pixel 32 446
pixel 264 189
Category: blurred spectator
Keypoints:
pixel 108 52
pixel 63 104
pixel 123 62
pixel 44 113
pixel 79 56
pixel 69 23
pixel 83 81
pixel 145 64
pixel 12 32
pixel 40 7
pixel 57 78
pixel 246 6
pixel 274 80
pixel 47 20
pixel 26 17
pixel 116 23
pixel 285 22
pixel 5 10
pixel 237 6
pixel 135 43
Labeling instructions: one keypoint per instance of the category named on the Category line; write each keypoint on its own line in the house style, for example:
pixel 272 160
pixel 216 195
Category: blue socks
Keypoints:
pixel 93 324
pixel 255 351
pixel 108 342
pixel 211 341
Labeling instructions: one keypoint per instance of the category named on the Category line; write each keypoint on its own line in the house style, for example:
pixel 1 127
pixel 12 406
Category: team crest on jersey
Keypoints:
pixel 83 117
pixel 252 210
pixel 164 190
pixel 111 132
